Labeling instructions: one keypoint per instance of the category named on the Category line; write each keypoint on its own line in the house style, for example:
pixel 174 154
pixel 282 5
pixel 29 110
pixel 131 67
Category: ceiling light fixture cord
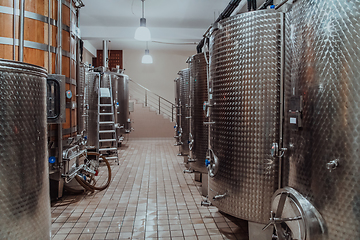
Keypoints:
pixel 174 43
pixel 143 8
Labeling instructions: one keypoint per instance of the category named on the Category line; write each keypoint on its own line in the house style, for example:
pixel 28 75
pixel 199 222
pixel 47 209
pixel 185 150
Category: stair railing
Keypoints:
pixel 152 100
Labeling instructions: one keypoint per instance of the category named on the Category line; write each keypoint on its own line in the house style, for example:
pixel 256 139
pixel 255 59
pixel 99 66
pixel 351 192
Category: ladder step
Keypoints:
pixel 107 140
pixel 107 149
pixel 105 92
pixel 106 113
pixel 106 131
pixel 103 123
pixel 105 105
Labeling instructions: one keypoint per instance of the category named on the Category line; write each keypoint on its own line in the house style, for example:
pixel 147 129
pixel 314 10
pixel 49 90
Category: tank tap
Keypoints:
pixel 219 196
pixel 332 165
pixel 188 171
pixel 206 202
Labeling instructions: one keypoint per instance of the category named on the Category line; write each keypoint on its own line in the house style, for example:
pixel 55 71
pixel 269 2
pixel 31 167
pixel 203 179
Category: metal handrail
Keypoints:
pixel 152 92
pixel 153 100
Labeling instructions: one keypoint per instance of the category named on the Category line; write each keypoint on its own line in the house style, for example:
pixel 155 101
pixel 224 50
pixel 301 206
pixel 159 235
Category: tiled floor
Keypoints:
pixel 149 198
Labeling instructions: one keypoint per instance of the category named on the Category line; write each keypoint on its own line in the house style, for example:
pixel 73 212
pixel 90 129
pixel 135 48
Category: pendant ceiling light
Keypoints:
pixel 147 58
pixel 143 33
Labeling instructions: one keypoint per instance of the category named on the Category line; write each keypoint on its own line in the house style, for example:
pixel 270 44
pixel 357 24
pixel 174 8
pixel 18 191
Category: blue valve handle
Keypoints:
pixel 207 162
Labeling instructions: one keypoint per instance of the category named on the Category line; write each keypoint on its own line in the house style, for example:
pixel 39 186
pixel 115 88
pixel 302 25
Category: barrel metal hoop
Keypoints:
pixel 34 16
pixel 70 81
pixel 36 45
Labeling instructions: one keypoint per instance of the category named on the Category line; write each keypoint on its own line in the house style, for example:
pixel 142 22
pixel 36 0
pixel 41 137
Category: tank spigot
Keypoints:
pixel 332 165
pixel 219 196
pixel 206 202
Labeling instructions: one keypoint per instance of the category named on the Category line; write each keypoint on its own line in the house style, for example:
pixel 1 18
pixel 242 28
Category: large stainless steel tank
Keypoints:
pixel 24 183
pixel 91 102
pixel 184 76
pixel 120 86
pixel 177 107
pixel 322 112
pixel 245 70
pixel 198 135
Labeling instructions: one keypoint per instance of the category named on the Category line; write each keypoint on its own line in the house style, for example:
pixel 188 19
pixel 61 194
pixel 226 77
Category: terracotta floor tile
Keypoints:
pixel 99 236
pixel 149 197
pixel 86 236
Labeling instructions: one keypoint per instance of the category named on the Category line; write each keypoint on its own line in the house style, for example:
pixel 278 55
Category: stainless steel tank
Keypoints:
pixel 184 76
pixel 198 136
pixel 120 89
pixel 322 112
pixel 24 180
pixel 177 109
pixel 245 74
pixel 91 103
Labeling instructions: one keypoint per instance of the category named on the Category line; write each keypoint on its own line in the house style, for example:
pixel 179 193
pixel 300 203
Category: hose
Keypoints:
pixel 225 14
pixel 90 187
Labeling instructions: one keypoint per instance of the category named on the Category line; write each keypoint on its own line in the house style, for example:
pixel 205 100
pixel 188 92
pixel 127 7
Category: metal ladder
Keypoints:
pixel 107 126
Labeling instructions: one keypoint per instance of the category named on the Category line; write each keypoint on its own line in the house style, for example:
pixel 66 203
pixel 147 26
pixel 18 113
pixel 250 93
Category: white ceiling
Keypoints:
pixel 172 21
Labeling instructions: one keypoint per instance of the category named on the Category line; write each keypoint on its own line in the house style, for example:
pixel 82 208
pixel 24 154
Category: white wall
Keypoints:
pixel 87 57
pixel 159 76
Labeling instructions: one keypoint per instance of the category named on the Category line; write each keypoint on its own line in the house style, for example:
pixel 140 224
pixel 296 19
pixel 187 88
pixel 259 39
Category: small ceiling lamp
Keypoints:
pixel 147 58
pixel 143 33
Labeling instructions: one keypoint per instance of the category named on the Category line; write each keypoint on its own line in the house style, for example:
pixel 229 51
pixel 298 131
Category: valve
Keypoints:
pixel 276 152
pixel 207 162
pixel 332 165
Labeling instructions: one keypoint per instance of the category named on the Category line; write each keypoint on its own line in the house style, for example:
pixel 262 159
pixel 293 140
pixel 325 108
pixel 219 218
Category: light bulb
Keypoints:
pixel 142 34
pixel 147 58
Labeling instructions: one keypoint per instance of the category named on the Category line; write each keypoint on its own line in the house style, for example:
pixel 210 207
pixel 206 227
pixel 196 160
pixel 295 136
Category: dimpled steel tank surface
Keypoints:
pixel 245 70
pixel 323 157
pixel 24 180
pixel 199 94
pixel 184 104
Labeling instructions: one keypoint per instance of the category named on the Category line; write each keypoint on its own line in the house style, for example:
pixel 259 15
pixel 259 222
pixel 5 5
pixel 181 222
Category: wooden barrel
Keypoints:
pixel 40 44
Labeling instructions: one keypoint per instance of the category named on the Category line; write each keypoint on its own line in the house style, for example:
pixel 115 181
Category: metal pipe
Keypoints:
pixel 249 5
pixel 79 91
pixel 254 5
pixel 58 70
pixel 266 4
pixel 49 36
pixel 105 54
pixel 21 34
pixel 282 99
pixel 159 105
pixel 145 98
pixel 14 29
pixel 58 67
pixel 281 4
